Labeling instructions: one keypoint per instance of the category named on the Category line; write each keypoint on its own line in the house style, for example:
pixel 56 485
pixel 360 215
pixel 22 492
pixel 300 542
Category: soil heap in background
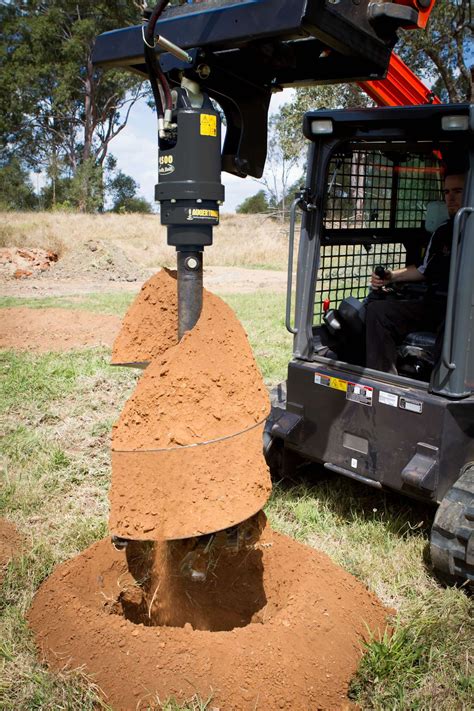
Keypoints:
pixel 23 263
pixel 96 258
pixel 45 330
pixel 205 391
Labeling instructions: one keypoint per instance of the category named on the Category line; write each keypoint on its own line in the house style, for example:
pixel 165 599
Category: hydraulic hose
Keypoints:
pixel 158 80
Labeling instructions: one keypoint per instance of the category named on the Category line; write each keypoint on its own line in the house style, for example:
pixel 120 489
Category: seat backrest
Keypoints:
pixel 436 214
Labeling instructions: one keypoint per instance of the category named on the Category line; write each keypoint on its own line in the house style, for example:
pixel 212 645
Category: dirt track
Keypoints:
pixel 221 280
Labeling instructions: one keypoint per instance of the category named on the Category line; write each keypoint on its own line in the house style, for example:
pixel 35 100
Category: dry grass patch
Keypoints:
pixel 240 240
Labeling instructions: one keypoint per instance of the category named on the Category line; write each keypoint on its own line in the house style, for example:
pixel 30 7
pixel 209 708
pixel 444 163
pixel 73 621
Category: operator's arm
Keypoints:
pixel 410 273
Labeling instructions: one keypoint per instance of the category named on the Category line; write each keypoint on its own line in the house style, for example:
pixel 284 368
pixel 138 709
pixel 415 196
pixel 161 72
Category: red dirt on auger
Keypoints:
pixel 270 623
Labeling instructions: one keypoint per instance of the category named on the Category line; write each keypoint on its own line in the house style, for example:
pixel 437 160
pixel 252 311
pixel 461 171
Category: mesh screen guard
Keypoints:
pixel 373 215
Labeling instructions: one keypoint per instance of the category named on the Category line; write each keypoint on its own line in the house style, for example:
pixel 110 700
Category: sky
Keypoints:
pixel 137 154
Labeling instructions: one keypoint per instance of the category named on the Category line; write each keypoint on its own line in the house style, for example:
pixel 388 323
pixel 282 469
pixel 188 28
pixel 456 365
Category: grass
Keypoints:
pixel 56 412
pixel 262 315
pixel 252 241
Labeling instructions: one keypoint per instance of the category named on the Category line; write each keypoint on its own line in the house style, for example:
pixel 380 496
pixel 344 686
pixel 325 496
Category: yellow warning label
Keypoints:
pixel 208 125
pixel 338 384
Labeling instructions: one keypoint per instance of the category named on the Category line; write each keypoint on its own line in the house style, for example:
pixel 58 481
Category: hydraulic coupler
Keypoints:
pixel 190 192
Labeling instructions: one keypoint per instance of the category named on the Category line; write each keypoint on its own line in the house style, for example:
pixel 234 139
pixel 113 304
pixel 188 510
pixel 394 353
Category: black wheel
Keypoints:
pixel 452 535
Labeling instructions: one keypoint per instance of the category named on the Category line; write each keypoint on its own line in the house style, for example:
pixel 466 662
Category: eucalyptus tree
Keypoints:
pixel 59 112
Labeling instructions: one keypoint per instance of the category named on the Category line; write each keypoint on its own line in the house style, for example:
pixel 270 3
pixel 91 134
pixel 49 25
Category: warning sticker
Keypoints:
pixel 360 393
pixel 355 392
pixel 208 125
pixel 328 382
pixel 338 384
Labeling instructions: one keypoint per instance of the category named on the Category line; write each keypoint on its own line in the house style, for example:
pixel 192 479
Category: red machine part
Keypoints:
pixel 423 7
pixel 401 87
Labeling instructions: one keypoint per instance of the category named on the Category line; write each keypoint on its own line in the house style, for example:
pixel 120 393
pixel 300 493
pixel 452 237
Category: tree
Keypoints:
pixel 254 204
pixel 289 120
pixel 16 190
pixel 279 167
pixel 59 111
pixel 443 55
pixel 123 189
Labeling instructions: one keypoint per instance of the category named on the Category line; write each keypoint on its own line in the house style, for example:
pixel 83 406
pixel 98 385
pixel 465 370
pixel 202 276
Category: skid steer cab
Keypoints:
pixel 372 199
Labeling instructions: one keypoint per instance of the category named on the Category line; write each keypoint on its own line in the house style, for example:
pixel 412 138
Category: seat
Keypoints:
pixel 416 355
pixel 419 344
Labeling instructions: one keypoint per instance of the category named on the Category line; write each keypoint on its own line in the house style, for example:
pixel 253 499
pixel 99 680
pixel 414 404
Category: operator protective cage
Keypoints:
pixel 243 50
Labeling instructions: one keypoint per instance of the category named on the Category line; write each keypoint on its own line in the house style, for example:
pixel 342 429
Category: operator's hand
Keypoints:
pixel 377 282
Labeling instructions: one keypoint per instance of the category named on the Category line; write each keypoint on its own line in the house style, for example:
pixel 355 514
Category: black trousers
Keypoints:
pixel 388 322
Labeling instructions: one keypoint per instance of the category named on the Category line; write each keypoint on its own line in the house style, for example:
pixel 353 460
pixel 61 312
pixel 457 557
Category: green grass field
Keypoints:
pixel 57 411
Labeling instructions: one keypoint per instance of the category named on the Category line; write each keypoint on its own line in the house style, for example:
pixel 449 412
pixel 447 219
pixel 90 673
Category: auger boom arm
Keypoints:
pixel 243 50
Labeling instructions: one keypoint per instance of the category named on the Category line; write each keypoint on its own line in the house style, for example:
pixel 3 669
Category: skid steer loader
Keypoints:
pixel 373 196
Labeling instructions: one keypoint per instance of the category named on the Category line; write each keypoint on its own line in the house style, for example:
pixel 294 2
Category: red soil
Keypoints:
pixel 150 325
pixel 10 544
pixel 22 263
pixel 277 626
pixel 43 330
pixel 205 388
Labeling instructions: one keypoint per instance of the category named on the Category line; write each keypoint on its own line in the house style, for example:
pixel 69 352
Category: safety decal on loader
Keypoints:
pixel 208 125
pixel 363 394
pixel 329 382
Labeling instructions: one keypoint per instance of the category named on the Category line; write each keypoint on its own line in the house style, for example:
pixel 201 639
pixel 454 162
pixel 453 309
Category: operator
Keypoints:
pixel 389 321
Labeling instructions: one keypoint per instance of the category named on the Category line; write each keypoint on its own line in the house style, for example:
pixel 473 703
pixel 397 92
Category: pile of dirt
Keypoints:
pixel 22 263
pixel 43 330
pixel 275 627
pixel 150 325
pixel 190 435
pixel 94 258
pixel 10 544
pixel 205 387
pixel 245 616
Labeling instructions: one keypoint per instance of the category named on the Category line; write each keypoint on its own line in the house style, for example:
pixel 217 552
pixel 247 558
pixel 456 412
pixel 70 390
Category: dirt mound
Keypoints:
pixel 205 387
pixel 94 258
pixel 22 263
pixel 10 544
pixel 245 616
pixel 275 627
pixel 44 330
pixel 150 325
pixel 189 437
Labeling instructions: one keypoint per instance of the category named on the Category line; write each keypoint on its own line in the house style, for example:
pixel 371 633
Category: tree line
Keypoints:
pixel 59 114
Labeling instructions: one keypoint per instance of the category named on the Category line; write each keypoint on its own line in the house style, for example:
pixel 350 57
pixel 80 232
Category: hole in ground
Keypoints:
pixel 159 593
